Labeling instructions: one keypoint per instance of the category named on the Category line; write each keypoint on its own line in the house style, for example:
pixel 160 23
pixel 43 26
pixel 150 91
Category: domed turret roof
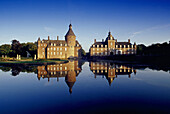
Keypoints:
pixel 70 31
pixel 110 37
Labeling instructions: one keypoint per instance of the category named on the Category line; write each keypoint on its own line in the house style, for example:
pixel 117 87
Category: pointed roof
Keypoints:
pixel 70 31
pixel 70 85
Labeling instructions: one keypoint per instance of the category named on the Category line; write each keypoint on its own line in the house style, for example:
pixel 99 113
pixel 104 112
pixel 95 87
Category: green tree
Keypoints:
pixel 83 52
pixel 16 47
pixel 5 49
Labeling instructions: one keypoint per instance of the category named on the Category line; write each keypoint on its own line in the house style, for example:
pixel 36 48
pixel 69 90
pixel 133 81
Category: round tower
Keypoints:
pixel 70 37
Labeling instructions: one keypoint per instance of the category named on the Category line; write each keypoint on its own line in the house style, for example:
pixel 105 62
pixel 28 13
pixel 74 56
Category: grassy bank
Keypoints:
pixel 33 62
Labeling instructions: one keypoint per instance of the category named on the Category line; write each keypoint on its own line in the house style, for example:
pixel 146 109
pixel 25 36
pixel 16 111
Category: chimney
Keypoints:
pixel 116 40
pixel 102 40
pixel 94 40
pixel 129 40
pixel 48 37
pixel 57 37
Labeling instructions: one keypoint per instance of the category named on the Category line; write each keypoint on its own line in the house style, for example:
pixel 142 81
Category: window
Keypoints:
pixel 43 53
pixel 51 53
pixel 48 49
pixel 60 48
pixel 54 53
pixel 120 46
pixel 65 49
pixel 51 44
pixel 93 49
pixel 51 48
pixel 61 44
pixel 57 49
pixel 101 45
pixel 54 49
pixel 60 53
pixel 44 44
pixel 93 45
pixel 65 44
pixel 41 45
pixel 111 43
pixel 54 44
pixel 97 45
pixel 97 49
pixel 105 53
pixel 101 49
pixel 57 53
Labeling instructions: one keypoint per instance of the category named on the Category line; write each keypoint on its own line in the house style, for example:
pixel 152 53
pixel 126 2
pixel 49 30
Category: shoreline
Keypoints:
pixel 33 63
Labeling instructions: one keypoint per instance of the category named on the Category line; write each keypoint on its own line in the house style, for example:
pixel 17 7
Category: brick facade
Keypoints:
pixel 68 48
pixel 111 47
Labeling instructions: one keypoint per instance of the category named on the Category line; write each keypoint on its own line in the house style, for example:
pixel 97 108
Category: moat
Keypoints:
pixel 85 87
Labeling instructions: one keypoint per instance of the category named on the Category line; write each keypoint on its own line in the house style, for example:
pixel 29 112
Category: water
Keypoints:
pixel 90 87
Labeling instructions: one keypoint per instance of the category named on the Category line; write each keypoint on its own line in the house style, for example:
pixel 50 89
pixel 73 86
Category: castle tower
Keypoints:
pixel 111 43
pixel 38 49
pixel 70 38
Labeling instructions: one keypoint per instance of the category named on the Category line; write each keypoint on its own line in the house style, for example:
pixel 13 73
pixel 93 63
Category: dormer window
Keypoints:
pixel 51 44
pixel 97 45
pixel 105 45
pixel 93 45
pixel 120 46
pixel 65 44
pixel 101 45
pixel 124 46
pixel 54 44
pixel 60 44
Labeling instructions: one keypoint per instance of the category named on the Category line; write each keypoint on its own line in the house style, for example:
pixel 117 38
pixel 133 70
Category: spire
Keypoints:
pixel 70 26
pixel 70 31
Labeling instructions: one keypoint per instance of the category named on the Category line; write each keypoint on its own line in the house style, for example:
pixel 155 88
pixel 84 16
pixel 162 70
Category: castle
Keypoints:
pixel 51 49
pixel 111 47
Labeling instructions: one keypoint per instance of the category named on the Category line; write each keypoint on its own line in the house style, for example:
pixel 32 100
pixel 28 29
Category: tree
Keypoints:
pixel 16 47
pixel 5 49
pixel 83 52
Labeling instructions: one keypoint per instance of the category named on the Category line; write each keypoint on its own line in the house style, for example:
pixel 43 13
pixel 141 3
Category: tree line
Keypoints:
pixel 157 49
pixel 16 47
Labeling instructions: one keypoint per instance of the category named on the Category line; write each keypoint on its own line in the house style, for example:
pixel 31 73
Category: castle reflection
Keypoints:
pixel 110 70
pixel 68 70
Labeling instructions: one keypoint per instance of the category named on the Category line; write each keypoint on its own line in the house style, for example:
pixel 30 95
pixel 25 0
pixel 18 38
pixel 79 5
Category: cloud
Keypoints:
pixel 148 29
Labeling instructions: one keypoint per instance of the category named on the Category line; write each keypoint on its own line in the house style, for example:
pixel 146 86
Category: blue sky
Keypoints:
pixel 143 21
